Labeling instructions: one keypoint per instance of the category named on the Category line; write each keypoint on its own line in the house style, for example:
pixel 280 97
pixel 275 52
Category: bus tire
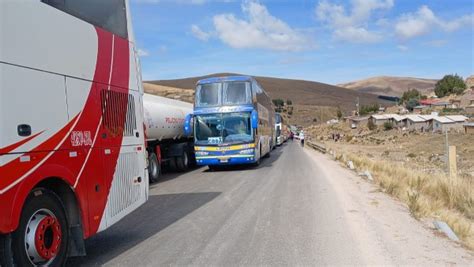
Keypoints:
pixel 172 164
pixel 6 256
pixel 182 162
pixel 42 236
pixel 268 154
pixel 154 168
pixel 258 161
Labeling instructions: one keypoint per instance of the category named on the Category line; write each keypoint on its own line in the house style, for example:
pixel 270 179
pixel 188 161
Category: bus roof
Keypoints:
pixel 240 78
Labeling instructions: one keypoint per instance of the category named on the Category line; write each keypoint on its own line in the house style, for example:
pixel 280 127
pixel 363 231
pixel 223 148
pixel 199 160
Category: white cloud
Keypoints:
pixel 352 26
pixel 142 53
pixel 425 21
pixel 198 33
pixel 259 30
pixel 356 35
pixel 402 48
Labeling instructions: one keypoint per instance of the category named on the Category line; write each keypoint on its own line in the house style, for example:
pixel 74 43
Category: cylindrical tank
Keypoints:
pixel 164 117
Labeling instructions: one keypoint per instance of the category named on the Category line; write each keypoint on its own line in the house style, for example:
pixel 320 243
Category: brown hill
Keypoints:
pixel 300 92
pixel 391 86
pixel 186 95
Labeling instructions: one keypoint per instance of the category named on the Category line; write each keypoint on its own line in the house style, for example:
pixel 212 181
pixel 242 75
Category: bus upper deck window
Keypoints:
pixel 236 93
pixel 208 95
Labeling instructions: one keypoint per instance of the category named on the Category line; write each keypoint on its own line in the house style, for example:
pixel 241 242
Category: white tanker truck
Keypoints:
pixel 168 145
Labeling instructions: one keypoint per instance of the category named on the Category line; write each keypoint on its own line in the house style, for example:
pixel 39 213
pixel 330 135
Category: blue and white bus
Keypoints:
pixel 233 121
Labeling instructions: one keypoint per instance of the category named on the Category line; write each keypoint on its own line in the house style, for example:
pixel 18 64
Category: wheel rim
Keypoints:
pixel 43 237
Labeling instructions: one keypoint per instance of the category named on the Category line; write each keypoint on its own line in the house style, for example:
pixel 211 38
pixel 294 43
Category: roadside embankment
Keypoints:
pixel 411 168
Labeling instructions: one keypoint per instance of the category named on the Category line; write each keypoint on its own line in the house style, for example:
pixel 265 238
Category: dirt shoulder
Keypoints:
pixel 386 231
pixel 412 168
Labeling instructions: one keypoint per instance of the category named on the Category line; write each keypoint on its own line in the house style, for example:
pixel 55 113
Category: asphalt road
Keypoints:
pixel 297 208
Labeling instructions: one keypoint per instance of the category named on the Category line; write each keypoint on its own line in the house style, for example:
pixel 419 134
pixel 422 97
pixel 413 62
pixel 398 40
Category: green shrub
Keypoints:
pixel 450 84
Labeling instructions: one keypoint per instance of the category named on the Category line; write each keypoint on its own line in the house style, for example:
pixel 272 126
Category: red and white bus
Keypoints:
pixel 72 148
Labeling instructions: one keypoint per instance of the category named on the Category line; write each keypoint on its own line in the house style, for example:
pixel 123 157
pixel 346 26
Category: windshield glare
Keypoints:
pixel 227 93
pixel 227 128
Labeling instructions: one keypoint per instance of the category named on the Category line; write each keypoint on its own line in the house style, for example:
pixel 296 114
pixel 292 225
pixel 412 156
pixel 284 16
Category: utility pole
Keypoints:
pixel 447 149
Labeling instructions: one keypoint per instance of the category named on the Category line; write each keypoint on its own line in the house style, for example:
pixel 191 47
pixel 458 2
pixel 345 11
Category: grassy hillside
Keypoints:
pixel 391 86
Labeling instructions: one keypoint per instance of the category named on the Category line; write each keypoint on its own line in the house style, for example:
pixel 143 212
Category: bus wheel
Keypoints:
pixel 6 256
pixel 268 154
pixel 257 162
pixel 154 168
pixel 172 164
pixel 43 234
pixel 182 161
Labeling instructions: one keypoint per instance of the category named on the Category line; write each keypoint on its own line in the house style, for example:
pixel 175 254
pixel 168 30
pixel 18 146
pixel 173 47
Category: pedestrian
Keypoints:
pixel 302 138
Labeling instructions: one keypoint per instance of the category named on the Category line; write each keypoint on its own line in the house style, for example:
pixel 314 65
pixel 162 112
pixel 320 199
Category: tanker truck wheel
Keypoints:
pixel 42 236
pixel 154 168
pixel 182 161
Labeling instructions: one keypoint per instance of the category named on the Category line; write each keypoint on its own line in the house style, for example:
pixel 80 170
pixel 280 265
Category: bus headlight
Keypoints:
pixel 246 151
pixel 202 153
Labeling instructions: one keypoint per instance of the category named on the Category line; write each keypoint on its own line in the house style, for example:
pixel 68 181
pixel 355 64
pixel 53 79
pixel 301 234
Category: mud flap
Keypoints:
pixel 77 247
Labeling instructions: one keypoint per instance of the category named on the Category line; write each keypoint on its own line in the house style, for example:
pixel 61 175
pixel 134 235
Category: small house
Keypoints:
pixel 398 121
pixel 458 120
pixel 428 102
pixel 380 119
pixel 469 128
pixel 416 123
pixel 355 121
pixel 442 124
pixel 429 121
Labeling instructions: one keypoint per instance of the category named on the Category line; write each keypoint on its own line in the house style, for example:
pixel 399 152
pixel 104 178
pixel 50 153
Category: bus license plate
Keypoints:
pixel 224 160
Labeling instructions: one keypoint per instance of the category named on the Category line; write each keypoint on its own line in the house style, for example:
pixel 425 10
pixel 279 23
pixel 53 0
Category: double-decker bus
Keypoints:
pixel 72 148
pixel 234 121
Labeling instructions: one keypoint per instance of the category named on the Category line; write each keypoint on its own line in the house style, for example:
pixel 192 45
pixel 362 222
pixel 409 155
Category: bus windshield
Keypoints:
pixel 226 93
pixel 226 128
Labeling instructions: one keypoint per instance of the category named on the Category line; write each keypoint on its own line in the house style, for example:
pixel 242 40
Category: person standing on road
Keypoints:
pixel 302 138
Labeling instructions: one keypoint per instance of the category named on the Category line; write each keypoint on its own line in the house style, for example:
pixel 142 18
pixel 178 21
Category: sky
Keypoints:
pixel 319 40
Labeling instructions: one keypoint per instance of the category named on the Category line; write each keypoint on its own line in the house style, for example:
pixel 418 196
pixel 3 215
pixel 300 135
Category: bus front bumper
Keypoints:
pixel 225 160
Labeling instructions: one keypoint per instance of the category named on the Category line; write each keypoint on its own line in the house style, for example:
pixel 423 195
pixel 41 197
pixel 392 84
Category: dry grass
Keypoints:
pixel 426 195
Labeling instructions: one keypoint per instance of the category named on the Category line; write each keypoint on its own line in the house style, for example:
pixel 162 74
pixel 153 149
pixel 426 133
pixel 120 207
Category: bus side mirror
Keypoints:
pixel 188 129
pixel 254 119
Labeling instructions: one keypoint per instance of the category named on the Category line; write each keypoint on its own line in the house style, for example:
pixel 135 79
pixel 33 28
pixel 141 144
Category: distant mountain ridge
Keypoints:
pixel 300 92
pixel 390 85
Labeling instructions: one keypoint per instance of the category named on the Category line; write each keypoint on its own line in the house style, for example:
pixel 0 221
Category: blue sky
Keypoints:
pixel 325 41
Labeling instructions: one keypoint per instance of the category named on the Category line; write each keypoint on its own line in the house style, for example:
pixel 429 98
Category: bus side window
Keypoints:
pixel 109 15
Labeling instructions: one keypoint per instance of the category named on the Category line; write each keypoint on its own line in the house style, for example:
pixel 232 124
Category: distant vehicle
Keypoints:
pixel 278 129
pixel 234 121
pixel 282 131
pixel 167 144
pixel 72 148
